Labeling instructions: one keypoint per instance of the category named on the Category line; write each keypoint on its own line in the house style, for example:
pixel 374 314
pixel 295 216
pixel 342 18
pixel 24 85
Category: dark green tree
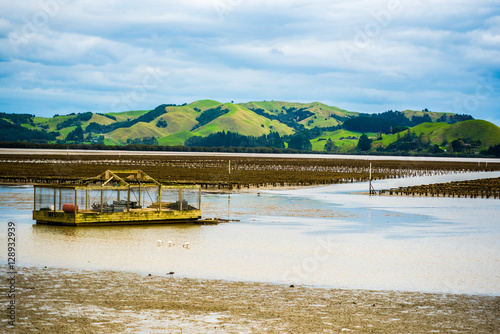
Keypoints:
pixel 76 135
pixel 435 149
pixel 300 142
pixel 492 150
pixel 161 123
pixel 329 145
pixel 364 143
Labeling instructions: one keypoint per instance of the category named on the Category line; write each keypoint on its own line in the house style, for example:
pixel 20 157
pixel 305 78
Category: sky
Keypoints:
pixel 64 56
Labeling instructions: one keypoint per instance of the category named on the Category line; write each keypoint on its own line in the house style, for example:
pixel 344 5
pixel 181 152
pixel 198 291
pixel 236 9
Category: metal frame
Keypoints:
pixel 137 182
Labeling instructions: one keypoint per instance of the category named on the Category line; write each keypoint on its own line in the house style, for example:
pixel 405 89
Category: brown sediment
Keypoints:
pixel 212 172
pixel 65 301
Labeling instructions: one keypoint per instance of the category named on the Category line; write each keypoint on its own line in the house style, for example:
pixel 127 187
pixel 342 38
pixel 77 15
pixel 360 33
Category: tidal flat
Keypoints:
pixel 62 301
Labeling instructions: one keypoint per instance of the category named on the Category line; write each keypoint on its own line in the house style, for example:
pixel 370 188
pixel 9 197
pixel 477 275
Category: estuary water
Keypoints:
pixel 332 236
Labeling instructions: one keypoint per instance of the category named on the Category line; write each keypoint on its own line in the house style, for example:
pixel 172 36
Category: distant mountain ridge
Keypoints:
pixel 315 122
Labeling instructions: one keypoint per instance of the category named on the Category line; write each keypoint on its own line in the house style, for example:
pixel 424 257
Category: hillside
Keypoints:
pixel 309 115
pixel 488 133
pixel 244 121
pixel 476 130
pixel 286 124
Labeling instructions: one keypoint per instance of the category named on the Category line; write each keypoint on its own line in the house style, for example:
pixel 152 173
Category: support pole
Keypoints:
pixel 159 198
pixel 180 199
pixel 102 199
pixel 199 198
pixel 55 198
pixel 128 200
pixel 371 190
pixel 229 170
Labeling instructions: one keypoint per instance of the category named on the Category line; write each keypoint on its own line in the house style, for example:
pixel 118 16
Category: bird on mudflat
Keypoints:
pixel 171 274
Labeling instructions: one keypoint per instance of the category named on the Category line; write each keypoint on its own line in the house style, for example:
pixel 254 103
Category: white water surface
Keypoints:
pixel 332 236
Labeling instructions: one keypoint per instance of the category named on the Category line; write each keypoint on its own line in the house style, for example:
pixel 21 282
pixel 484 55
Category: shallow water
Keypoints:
pixel 329 236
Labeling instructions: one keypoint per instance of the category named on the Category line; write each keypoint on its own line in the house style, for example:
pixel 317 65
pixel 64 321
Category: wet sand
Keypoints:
pixel 62 301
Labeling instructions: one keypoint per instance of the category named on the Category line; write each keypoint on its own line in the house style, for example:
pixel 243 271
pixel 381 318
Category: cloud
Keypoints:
pixel 365 55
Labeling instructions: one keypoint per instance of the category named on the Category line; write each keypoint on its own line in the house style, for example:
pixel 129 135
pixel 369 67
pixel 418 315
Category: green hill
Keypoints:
pixel 488 133
pixel 484 131
pixel 175 139
pixel 244 121
pixel 204 104
pixel 309 115
pixel 172 124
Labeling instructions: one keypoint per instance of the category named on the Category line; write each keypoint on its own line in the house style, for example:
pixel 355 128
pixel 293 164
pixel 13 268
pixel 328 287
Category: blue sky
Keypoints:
pixel 63 56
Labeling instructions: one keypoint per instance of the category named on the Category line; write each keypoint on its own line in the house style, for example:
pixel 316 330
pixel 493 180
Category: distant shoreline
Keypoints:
pixel 370 157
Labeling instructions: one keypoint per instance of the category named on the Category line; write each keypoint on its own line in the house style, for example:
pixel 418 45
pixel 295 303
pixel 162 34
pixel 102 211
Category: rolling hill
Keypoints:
pixel 486 132
pixel 170 124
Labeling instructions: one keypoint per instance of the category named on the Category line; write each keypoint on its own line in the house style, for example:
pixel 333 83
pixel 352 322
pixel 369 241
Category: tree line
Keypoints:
pixel 395 121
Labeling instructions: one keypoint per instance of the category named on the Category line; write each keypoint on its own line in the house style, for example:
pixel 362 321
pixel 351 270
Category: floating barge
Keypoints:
pixel 116 198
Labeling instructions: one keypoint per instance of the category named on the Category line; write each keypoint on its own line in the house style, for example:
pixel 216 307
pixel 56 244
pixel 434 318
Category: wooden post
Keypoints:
pixel 55 198
pixel 229 170
pixel 159 198
pixel 140 195
pixel 370 180
pixel 87 198
pixel 180 199
pixel 34 198
pixel 128 199
pixel 102 199
pixel 199 198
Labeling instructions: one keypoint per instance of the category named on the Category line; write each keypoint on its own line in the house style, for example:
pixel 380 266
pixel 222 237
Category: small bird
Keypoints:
pixel 159 243
pixel 171 274
pixel 170 243
pixel 186 245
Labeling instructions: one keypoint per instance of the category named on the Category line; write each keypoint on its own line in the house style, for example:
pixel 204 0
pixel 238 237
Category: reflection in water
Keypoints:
pixel 329 236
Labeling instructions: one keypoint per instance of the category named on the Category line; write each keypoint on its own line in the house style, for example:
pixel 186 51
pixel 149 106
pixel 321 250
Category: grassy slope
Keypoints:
pixel 488 133
pixel 320 110
pixel 204 104
pixel 52 122
pixel 343 144
pixel 139 130
pixel 322 115
pixel 98 119
pixel 433 115
pixel 123 116
pixel 427 128
pixel 243 121
pixel 175 139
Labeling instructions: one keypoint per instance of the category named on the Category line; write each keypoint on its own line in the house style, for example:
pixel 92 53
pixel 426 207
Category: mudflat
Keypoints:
pixel 50 300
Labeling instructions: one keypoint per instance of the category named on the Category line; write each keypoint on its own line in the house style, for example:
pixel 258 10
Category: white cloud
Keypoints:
pixel 408 54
